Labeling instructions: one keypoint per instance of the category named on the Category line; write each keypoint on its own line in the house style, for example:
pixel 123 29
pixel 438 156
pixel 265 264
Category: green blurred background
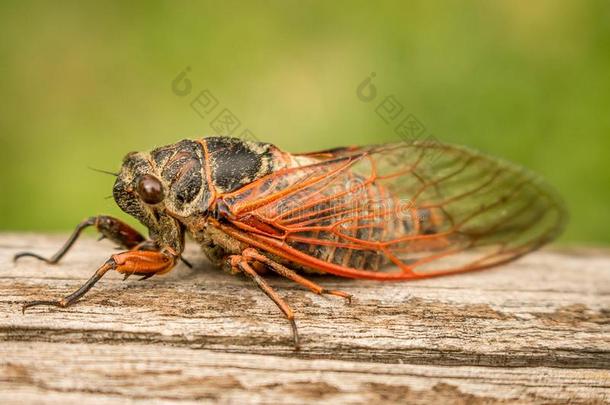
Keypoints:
pixel 82 85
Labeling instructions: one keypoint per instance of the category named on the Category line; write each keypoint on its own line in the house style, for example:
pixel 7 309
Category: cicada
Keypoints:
pixel 399 211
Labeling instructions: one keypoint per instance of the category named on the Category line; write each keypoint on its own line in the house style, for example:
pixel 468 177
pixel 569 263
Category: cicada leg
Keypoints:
pixel 241 263
pixel 144 263
pixel 284 271
pixel 109 227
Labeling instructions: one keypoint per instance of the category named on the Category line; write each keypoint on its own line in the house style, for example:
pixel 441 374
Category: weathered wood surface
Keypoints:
pixel 537 330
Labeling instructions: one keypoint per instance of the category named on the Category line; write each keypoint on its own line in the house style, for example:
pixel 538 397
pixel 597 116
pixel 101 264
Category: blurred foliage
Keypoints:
pixel 84 84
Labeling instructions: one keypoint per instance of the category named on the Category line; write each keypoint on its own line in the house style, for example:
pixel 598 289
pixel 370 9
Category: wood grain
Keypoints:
pixel 534 331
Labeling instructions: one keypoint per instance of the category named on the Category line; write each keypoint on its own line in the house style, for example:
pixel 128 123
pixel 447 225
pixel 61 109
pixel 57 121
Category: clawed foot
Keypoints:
pixel 338 293
pixel 31 254
pixel 61 304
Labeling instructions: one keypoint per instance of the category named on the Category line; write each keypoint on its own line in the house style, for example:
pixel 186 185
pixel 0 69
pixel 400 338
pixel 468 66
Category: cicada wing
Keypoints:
pixel 425 207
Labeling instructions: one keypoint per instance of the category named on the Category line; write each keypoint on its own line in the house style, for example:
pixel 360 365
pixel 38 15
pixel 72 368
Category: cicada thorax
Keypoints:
pixel 196 172
pixel 181 169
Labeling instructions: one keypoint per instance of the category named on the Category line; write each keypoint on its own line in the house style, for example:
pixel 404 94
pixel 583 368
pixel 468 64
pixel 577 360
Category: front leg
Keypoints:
pixel 109 227
pixel 139 262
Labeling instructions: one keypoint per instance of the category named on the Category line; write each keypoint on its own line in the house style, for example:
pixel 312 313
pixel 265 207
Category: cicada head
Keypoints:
pixel 164 189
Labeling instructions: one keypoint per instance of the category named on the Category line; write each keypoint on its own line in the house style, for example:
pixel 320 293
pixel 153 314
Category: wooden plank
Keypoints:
pixel 57 372
pixel 536 330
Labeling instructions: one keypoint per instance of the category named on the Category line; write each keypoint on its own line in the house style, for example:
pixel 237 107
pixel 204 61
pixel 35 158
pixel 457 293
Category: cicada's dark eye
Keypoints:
pixel 150 189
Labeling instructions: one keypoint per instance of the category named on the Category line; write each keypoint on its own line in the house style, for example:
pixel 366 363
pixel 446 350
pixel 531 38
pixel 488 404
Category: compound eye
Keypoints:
pixel 150 189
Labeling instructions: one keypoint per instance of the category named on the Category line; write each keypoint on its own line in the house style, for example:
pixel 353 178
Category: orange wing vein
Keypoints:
pixel 398 211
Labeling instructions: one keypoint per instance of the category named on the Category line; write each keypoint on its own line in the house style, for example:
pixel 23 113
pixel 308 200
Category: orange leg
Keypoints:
pixel 143 263
pixel 251 253
pixel 240 263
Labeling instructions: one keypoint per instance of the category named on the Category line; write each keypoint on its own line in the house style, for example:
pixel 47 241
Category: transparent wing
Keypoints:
pixel 398 211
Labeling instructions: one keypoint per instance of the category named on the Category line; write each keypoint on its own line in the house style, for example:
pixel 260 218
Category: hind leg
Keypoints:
pixel 284 271
pixel 241 263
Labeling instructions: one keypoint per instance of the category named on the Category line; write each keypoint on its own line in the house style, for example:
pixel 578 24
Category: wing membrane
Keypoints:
pixel 405 210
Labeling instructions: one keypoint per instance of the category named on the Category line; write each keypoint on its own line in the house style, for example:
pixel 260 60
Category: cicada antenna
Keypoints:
pixel 103 171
